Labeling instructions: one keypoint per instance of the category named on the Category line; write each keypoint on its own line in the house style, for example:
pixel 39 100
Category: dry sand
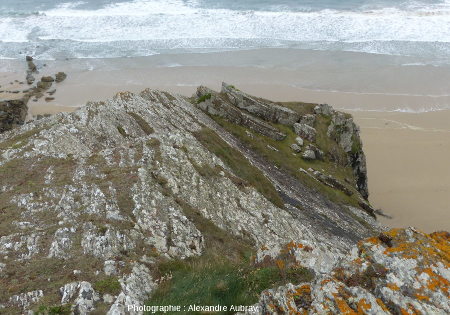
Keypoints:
pixel 408 158
pixel 407 153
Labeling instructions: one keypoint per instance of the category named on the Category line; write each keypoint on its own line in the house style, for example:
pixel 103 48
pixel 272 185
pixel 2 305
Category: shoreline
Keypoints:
pixel 406 152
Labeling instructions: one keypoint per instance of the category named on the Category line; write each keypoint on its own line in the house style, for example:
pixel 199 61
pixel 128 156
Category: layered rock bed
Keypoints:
pixel 158 199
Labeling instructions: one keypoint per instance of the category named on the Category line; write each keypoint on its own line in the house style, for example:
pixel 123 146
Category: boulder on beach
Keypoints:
pixel 60 76
pixel 42 85
pixel 47 79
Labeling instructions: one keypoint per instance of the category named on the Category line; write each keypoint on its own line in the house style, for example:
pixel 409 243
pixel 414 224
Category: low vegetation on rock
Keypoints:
pixel 155 198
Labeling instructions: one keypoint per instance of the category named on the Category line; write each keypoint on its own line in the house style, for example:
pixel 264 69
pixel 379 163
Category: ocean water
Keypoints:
pixel 60 29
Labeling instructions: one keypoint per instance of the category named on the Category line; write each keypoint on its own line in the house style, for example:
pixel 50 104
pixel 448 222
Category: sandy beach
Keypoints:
pixel 407 152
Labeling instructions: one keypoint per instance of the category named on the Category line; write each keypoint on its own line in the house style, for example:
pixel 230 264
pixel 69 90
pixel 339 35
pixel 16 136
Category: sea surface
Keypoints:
pixel 61 29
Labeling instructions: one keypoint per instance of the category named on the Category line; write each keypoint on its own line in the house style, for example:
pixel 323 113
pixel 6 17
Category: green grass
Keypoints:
pixel 212 280
pixel 54 310
pixel 203 98
pixel 108 285
pixel 239 164
pixel 225 273
pixel 285 159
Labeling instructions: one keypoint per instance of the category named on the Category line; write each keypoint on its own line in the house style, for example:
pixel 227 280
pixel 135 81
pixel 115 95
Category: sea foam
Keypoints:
pixel 176 25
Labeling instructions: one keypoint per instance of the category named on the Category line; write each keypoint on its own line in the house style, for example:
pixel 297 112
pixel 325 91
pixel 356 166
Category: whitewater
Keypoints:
pixel 107 29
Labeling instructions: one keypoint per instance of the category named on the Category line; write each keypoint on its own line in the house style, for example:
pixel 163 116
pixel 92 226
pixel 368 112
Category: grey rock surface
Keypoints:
pixel 345 132
pixel 114 181
pixel 215 104
pixel 393 273
pixel 263 109
pixel 295 147
pixel 305 131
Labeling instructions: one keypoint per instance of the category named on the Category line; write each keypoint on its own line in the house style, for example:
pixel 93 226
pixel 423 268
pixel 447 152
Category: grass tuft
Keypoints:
pixel 108 285
pixel 203 98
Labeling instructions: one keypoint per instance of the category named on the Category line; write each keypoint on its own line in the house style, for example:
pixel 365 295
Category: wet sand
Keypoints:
pixel 407 153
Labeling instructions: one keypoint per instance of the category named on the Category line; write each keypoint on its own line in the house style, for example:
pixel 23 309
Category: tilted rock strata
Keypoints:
pixel 257 114
pixel 215 104
pixel 263 109
pixel 111 182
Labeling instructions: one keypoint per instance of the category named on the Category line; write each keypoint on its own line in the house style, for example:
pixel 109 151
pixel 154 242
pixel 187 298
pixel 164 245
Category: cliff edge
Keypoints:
pixel 154 198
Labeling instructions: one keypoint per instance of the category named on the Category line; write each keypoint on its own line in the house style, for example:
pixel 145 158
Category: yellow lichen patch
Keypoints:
pixel 441 240
pixel 422 297
pixel 402 247
pixel 436 281
pixel 363 306
pixel 404 312
pixel 272 307
pixel 393 286
pixel 393 233
pixel 381 304
pixel 343 306
pixel 373 240
pixel 293 245
pixel 264 247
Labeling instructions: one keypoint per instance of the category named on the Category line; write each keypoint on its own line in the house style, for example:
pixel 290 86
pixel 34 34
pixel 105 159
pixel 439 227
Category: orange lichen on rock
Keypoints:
pixel 393 286
pixel 373 240
pixel 442 243
pixel 393 232
pixel 412 264
pixel 343 307
pixel 293 245
pixel 304 289
pixel 363 306
pixel 382 305
pixel 422 297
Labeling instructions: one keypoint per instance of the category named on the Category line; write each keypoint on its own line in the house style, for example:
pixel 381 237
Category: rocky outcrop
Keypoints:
pixel 12 113
pixel 331 182
pixel 260 115
pixel 13 110
pixel 397 272
pixel 99 206
pixel 261 108
pixel 305 131
pixel 118 187
pixel 60 76
pixel 216 104
pixel 345 132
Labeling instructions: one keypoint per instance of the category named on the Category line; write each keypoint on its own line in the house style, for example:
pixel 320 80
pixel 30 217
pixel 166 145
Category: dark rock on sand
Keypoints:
pixel 47 79
pixel 12 113
pixel 60 76
pixel 41 85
